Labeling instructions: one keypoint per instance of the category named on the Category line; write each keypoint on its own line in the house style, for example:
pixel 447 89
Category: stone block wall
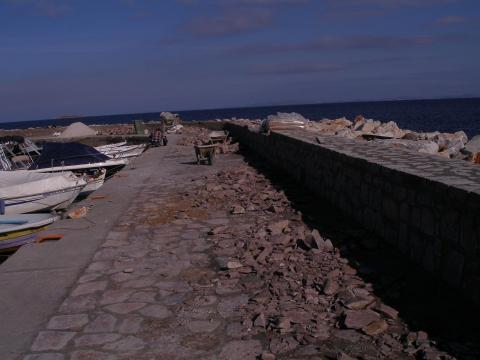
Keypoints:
pixel 425 206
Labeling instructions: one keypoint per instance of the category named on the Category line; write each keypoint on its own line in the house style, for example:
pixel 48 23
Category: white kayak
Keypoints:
pixel 25 191
pixel 18 230
pixel 20 222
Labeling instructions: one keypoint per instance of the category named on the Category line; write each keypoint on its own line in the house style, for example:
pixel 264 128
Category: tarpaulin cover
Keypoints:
pixel 21 183
pixel 66 154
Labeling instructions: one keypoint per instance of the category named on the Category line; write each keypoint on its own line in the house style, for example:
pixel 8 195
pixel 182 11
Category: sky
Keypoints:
pixel 93 57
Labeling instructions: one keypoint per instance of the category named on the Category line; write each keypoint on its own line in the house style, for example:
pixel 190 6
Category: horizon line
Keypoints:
pixel 73 117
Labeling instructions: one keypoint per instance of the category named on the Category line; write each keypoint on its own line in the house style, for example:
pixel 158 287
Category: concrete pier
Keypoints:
pixel 180 261
pixel 36 280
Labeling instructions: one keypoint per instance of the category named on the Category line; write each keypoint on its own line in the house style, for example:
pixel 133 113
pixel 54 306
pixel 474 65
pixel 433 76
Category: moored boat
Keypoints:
pixel 72 157
pixel 24 191
pixel 121 150
pixel 18 230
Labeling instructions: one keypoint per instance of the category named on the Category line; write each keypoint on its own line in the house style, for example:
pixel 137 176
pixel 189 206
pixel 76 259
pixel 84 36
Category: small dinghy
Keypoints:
pixel 24 191
pixel 121 150
pixel 18 230
pixel 104 148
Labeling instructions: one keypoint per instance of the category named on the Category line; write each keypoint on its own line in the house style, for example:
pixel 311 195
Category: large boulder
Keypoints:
pixel 389 129
pixel 331 127
pixel 368 127
pixel 450 145
pixel 284 121
pixel 429 135
pixel 358 122
pixel 473 145
pixel 341 123
pixel 412 135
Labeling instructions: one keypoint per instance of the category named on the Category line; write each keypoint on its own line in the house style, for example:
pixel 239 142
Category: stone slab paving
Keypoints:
pixel 148 292
pixel 456 173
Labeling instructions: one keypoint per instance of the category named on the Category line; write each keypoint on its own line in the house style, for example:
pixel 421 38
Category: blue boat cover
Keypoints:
pixel 65 154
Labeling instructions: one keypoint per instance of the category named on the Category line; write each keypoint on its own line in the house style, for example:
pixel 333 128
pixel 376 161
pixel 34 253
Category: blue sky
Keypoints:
pixel 123 56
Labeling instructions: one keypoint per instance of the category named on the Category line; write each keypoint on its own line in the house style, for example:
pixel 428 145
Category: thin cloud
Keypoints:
pixel 245 2
pixel 272 2
pixel 336 43
pixel 347 9
pixel 392 3
pixel 452 20
pixel 47 8
pixel 230 23
pixel 293 69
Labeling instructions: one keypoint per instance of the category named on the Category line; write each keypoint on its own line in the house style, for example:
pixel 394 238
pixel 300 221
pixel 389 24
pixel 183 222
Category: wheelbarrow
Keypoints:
pixel 205 153
pixel 219 138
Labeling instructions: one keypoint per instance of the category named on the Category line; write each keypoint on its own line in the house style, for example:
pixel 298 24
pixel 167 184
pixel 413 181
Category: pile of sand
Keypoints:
pixel 78 129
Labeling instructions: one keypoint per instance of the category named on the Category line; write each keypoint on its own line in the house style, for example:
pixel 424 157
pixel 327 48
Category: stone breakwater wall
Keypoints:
pixel 425 206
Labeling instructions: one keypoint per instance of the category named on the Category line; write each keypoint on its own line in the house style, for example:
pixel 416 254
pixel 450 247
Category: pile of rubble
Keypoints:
pixel 452 146
pixel 193 135
pixel 304 298
pixel 119 129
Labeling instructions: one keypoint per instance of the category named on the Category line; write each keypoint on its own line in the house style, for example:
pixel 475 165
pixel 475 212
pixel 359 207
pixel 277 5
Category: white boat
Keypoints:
pixel 121 150
pixel 18 230
pixel 103 148
pixel 24 191
pixel 94 181
pixel 12 223
pixel 75 157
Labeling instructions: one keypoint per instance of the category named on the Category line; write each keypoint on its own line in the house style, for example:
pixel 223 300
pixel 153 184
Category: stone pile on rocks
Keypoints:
pixel 284 121
pixel 448 145
pixel 170 119
pixel 304 299
pixel 169 116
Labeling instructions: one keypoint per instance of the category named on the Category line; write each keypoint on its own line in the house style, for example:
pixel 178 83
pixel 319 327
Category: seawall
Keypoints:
pixel 425 206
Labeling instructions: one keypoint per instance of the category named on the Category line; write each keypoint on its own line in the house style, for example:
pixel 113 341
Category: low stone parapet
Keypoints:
pixel 425 206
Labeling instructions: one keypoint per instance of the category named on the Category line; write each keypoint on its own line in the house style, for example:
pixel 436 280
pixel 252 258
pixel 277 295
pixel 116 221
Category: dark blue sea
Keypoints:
pixel 445 115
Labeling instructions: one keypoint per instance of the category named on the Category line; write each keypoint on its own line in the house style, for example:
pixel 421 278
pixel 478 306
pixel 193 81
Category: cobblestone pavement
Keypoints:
pixel 150 291
pixel 170 282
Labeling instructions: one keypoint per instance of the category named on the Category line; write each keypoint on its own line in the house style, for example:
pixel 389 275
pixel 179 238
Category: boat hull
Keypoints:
pixel 14 240
pixel 55 200
pixel 94 184
pixel 10 224
pixel 113 163
pixel 14 235
pixel 123 151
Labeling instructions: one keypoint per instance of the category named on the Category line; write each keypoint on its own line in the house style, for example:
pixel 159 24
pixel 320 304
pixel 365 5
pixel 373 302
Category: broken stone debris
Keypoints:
pixel 301 292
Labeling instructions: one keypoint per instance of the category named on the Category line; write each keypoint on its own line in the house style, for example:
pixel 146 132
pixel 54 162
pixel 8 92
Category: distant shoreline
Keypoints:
pixel 444 115
pixel 69 117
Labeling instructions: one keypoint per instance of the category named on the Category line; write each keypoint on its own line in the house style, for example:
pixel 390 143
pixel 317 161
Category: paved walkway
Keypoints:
pixel 147 292
pixel 456 173
pixel 209 268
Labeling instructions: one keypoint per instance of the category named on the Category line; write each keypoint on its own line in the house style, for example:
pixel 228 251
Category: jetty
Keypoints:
pixel 296 247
